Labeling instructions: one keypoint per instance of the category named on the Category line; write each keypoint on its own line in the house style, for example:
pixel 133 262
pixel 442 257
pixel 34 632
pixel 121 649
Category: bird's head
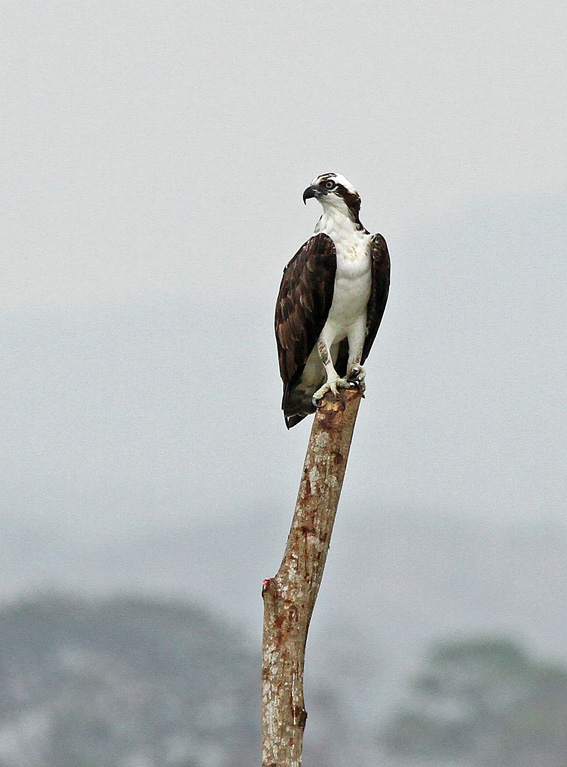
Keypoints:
pixel 334 191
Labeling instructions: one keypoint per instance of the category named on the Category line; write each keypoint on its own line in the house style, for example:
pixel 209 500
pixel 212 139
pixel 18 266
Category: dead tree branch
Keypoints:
pixel 290 596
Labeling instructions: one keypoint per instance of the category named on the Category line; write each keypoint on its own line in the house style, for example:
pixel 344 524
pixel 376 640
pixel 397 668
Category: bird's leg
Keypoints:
pixel 334 381
pixel 355 372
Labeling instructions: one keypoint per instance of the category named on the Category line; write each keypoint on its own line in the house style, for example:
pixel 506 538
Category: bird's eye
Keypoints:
pixel 329 184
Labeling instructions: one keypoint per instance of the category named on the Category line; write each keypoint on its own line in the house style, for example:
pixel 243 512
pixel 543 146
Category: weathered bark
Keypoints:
pixel 290 596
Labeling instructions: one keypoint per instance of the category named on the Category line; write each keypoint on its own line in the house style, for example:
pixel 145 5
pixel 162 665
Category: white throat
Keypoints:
pixel 352 241
pixel 336 221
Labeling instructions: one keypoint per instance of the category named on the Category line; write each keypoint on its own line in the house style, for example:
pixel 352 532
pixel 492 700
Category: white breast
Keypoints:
pixel 352 285
pixel 353 278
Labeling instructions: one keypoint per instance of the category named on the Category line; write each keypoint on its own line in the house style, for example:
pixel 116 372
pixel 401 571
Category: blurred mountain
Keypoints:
pixel 124 682
pixel 394 583
pixel 134 682
pixel 482 702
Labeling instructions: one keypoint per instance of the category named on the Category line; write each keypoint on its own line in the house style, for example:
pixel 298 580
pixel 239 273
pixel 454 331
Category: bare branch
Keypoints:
pixel 290 596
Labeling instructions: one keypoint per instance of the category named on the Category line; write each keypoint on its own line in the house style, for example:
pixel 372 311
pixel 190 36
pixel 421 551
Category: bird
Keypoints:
pixel 330 303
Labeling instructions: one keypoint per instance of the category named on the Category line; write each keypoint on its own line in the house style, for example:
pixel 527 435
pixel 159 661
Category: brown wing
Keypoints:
pixel 379 292
pixel 304 300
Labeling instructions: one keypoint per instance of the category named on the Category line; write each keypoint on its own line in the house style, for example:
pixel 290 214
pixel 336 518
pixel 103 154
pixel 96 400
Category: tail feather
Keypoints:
pixel 293 420
pixel 296 404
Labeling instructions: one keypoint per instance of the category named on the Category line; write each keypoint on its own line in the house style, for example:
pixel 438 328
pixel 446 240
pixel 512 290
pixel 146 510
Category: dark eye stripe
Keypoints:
pixel 351 199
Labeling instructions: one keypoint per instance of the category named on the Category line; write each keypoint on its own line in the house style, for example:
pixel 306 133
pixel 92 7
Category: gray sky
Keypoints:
pixel 154 157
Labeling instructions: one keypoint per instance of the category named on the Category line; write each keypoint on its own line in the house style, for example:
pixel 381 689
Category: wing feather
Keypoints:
pixel 379 293
pixel 304 300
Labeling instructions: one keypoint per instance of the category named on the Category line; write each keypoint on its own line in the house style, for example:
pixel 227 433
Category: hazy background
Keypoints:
pixel 153 162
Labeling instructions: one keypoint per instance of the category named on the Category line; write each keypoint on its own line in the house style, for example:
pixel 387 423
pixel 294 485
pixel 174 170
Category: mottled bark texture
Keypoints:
pixel 290 596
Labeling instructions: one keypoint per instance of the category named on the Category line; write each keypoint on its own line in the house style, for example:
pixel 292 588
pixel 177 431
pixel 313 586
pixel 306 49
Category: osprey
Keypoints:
pixel 332 297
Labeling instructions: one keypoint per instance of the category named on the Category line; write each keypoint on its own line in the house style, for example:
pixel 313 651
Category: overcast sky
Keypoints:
pixel 154 157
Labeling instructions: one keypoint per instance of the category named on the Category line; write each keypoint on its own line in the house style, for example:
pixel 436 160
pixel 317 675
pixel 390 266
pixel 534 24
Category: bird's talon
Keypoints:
pixel 357 373
pixel 356 377
pixel 333 387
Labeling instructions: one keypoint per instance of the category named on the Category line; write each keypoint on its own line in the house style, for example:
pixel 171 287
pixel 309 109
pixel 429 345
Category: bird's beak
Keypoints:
pixel 311 191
